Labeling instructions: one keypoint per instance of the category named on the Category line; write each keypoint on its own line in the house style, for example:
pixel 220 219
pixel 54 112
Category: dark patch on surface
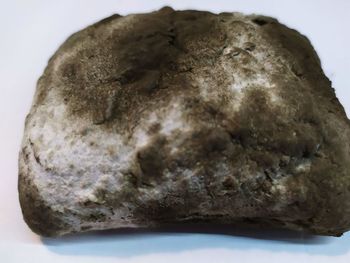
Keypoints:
pixel 260 137
pixel 248 46
pixel 314 128
pixel 94 216
pixel 139 67
pixel 259 21
pixel 152 160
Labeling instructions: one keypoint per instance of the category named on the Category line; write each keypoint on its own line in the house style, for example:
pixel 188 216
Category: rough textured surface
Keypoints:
pixel 177 116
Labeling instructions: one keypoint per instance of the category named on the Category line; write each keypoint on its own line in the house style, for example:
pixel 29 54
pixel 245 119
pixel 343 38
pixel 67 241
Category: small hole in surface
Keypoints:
pixel 259 21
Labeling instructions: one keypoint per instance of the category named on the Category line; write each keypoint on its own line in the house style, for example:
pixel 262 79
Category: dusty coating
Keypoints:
pixel 176 116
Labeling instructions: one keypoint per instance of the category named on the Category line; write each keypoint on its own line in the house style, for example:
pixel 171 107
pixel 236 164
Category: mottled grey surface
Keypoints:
pixel 177 116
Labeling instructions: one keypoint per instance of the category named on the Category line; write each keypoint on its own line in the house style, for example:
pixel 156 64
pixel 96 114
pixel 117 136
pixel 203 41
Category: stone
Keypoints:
pixel 171 117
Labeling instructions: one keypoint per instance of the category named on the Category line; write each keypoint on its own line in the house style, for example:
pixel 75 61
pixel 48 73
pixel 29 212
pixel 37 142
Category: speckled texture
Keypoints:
pixel 177 116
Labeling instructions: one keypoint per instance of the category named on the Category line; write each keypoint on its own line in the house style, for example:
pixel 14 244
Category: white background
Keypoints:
pixel 31 30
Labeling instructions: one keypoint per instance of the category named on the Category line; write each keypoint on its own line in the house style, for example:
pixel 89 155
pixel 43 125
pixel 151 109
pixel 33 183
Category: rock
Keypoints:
pixel 185 116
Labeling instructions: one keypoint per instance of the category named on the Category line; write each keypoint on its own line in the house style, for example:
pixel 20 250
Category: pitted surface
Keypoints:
pixel 179 116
